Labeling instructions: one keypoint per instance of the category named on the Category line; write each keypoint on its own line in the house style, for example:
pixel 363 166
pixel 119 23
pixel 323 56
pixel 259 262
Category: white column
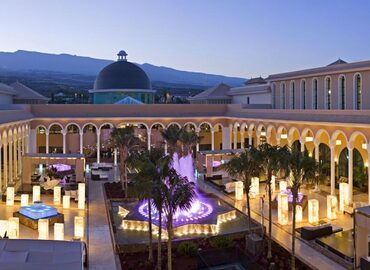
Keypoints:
pixel 302 144
pixel 47 141
pixel 98 146
pixel 5 165
pixel 197 131
pixel 31 142
pixel 64 133
pixel 226 140
pixel 317 150
pixel 81 142
pixel 242 140
pixel 250 138
pixel 278 139
pixel 10 161
pixel 149 138
pixel 235 133
pixel 332 167
pixel 350 172
pixel 212 140
pixel 115 156
pixel 15 155
pixel 20 155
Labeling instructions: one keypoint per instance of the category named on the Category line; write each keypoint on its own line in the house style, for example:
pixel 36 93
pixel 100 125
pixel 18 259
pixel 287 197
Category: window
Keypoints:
pixel 314 103
pixel 358 92
pixel 342 91
pixel 328 93
pixel 282 95
pixel 303 95
pixel 292 95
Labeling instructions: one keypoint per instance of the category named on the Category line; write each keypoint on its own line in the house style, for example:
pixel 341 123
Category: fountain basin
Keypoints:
pixel 38 211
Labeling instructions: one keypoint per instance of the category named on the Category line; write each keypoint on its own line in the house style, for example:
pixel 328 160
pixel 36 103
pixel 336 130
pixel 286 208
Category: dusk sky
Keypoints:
pixel 230 37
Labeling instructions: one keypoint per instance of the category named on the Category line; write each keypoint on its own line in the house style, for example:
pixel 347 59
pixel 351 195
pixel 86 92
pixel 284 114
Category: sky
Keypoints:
pixel 245 38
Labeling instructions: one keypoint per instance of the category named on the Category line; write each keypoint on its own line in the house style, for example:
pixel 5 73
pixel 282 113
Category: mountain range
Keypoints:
pixel 72 64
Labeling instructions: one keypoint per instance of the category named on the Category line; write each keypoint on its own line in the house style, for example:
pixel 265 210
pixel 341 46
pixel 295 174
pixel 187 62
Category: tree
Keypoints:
pixel 302 168
pixel 171 135
pixel 246 165
pixel 125 140
pixel 274 161
pixel 178 194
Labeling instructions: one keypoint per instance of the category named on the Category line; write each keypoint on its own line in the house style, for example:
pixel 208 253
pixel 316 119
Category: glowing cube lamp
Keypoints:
pixel 57 195
pixel 43 228
pixel 298 213
pixel 3 227
pixel 79 227
pixel 81 195
pixel 13 228
pixel 24 199
pixel 59 231
pixel 66 201
pixel 343 195
pixel 331 206
pixel 313 211
pixel 283 209
pixel 36 193
pixel 273 182
pixel 239 190
pixel 10 196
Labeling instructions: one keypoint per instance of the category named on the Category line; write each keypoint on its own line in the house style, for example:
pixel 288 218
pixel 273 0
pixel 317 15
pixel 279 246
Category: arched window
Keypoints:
pixel 328 93
pixel 303 95
pixel 342 93
pixel 273 96
pixel 314 94
pixel 282 102
pixel 358 92
pixel 292 95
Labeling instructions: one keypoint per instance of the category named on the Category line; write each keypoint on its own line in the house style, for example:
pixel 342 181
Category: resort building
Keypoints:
pixel 120 80
pixel 18 93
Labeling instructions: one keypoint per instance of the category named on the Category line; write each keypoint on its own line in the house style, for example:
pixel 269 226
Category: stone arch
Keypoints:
pixel 55 124
pixel 174 123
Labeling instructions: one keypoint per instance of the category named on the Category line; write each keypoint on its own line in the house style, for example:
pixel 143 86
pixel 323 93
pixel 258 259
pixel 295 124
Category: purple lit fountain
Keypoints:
pixel 200 208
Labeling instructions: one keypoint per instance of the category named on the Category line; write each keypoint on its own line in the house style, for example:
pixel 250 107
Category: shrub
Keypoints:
pixel 187 248
pixel 220 242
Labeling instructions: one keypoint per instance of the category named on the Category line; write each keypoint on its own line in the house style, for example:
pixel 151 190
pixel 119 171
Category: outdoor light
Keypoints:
pixel 13 228
pixel 3 228
pixel 338 142
pixel 255 187
pixel 343 195
pixel 309 139
pixel 273 182
pixel 66 201
pixel 364 146
pixel 57 195
pixel 87 169
pixel 263 133
pixel 298 213
pixel 10 196
pixel 283 185
pixel 239 190
pixel 313 211
pixel 41 168
pixel 59 231
pixel 284 136
pixel 122 211
pixel 331 206
pixel 24 199
pixel 79 227
pixel 81 195
pixel 43 228
pixel 35 193
pixel 283 209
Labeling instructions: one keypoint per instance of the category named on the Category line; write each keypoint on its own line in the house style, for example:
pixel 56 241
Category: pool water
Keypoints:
pixel 38 211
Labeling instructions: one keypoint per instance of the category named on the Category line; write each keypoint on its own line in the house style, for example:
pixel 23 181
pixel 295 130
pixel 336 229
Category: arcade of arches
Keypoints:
pixel 342 150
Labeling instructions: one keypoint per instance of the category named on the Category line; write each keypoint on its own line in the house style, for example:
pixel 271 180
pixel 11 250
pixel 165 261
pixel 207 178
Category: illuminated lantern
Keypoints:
pixel 36 193
pixel 273 183
pixel 10 196
pixel 66 201
pixel 239 190
pixel 59 231
pixel 13 228
pixel 57 195
pixel 283 185
pixel 79 227
pixel 298 213
pixel 255 187
pixel 3 228
pixel 24 199
pixel 331 206
pixel 81 195
pixel 43 228
pixel 343 195
pixel 283 208
pixel 313 211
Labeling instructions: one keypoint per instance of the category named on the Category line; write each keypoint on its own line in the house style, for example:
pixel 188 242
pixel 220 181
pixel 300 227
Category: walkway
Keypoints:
pixel 305 253
pixel 101 254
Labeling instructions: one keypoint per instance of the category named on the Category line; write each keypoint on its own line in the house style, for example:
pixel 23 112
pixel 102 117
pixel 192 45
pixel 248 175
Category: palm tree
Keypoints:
pixel 125 140
pixel 188 139
pixel 171 135
pixel 274 160
pixel 246 165
pixel 178 194
pixel 302 168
